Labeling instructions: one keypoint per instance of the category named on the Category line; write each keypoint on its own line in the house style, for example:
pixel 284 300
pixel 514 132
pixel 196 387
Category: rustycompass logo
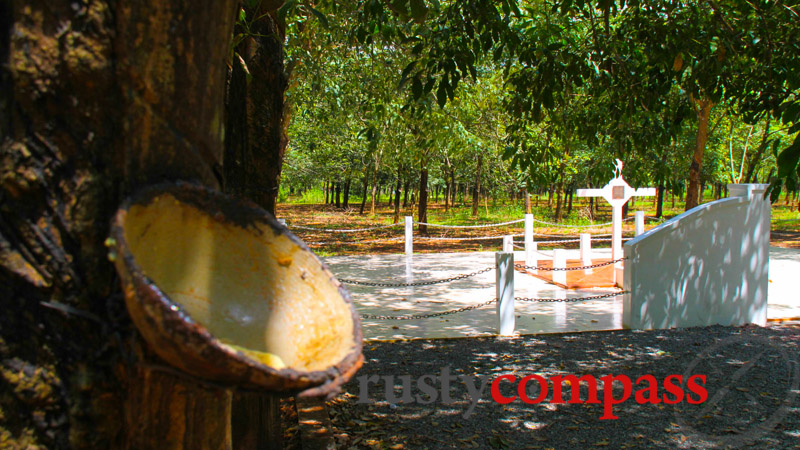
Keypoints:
pixel 534 389
pixel 752 384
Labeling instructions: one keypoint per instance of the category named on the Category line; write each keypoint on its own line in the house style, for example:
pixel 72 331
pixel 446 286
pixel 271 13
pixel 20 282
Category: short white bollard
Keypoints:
pixel 508 243
pixel 586 251
pixel 528 230
pixel 506 319
pixel 531 257
pixel 560 262
pixel 639 221
pixel 409 235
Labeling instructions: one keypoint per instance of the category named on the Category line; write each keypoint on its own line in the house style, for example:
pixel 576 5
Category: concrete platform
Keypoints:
pixel 532 318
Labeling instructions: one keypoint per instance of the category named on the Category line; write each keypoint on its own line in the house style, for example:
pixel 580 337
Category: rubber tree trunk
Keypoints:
pixel 364 182
pixel 346 200
pixel 755 159
pixel 476 193
pixel 397 195
pixel 96 100
pixel 406 189
pixel 528 209
pixel 660 200
pixel 374 187
pixel 255 137
pixel 693 191
pixel 423 198
pixel 454 188
pixel 559 190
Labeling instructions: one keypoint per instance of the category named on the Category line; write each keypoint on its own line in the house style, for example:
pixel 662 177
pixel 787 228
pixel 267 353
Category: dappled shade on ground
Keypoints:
pixel 750 383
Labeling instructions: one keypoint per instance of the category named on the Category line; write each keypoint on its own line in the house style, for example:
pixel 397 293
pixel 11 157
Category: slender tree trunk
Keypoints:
pixel 446 194
pixel 406 188
pixel 755 159
pixel 374 187
pixel 423 198
pixel 528 209
pixel 477 188
pixel 660 200
pixel 558 197
pixel 569 205
pixel 364 196
pixel 397 195
pixel 346 201
pixel 453 186
pixel 693 190
pixel 338 189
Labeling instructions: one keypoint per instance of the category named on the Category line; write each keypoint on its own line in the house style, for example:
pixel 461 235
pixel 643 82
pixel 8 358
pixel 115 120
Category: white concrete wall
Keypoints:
pixel 706 266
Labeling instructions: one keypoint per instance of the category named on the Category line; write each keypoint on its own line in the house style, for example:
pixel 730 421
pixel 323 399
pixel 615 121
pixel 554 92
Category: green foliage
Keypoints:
pixel 548 94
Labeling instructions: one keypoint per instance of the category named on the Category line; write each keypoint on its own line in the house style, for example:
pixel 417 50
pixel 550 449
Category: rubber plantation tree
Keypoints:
pixel 97 99
pixel 255 136
pixel 736 50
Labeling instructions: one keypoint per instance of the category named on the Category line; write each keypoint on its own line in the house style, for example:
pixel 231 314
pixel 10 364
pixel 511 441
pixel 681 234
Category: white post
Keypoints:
pixel 508 243
pixel 409 235
pixel 560 262
pixel 531 257
pixel 529 245
pixel 639 221
pixel 506 319
pixel 586 251
pixel 616 232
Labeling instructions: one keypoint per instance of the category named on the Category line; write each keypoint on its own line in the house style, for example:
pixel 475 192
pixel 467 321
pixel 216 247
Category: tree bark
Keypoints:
pixel 453 187
pixel 528 209
pixel 255 138
pixel 693 191
pixel 397 194
pixel 364 196
pixel 660 200
pixel 569 205
pixel 98 99
pixel 346 200
pixel 476 193
pixel 423 198
pixel 755 159
pixel 374 187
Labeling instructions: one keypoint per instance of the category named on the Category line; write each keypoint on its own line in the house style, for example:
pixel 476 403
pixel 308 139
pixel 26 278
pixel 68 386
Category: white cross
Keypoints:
pixel 617 192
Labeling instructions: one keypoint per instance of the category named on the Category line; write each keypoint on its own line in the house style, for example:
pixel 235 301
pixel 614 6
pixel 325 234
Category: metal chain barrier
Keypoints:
pixel 569 235
pixel 488 225
pixel 494 300
pixel 352 230
pixel 596 225
pixel 477 238
pixel 559 241
pixel 568 300
pixel 420 283
pixel 593 266
pixel 426 316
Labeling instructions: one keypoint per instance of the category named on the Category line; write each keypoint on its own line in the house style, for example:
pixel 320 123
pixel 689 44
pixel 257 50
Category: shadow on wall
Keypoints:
pixel 707 266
